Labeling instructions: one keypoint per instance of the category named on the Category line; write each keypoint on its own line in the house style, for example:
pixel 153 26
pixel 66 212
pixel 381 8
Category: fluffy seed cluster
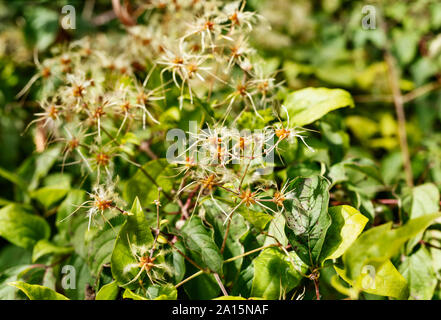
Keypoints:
pixel 98 91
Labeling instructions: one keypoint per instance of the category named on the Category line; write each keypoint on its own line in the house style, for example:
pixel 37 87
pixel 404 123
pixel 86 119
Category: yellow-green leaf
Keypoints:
pixel 379 244
pixel 37 292
pixel 108 292
pixel 347 224
pixel 384 280
pixel 310 104
pixel 128 294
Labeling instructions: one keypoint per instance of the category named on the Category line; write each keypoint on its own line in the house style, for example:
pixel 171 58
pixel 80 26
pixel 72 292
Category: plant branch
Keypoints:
pixel 145 146
pixel 317 290
pixel 251 252
pixel 189 278
pixel 187 258
pixel 221 285
pixel 399 108
pixel 123 13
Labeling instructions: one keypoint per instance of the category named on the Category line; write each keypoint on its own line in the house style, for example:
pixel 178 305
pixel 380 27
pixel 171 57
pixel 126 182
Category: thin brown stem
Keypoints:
pixel 317 291
pixel 394 80
pixel 224 241
pixel 428 244
pixel 418 92
pixel 187 258
pixel 408 97
pixel 123 13
pixel 153 181
pixel 103 18
pixel 401 117
pixel 145 146
pixel 221 285
pixel 158 204
pixel 229 190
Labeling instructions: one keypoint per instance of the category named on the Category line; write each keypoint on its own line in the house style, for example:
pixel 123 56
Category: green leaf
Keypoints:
pixel 144 184
pixel 363 128
pixel 346 170
pixel 307 218
pixel 11 255
pixel 162 292
pixel 108 292
pixel 275 274
pixel 134 237
pixel 37 292
pixel 38 166
pixel 419 272
pixel 74 198
pixel 310 104
pixel 100 244
pixel 405 43
pixel 391 167
pixel 129 294
pixel 277 230
pixel 258 219
pixel 242 286
pixel 10 275
pixel 48 196
pixel 200 242
pixel 367 167
pixel 202 287
pixel 178 262
pixel 58 180
pixel 13 177
pixel 22 228
pixel 384 280
pixel 347 224
pixel 83 278
pixel 41 27
pixel 45 247
pixel 379 244
pixel 233 246
pixel 154 292
pixel 421 200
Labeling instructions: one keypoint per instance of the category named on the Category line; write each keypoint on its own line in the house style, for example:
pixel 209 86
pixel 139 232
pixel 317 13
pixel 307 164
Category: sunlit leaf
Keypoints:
pixel 347 224
pixel 37 292
pixel 419 272
pixel 108 292
pixel 384 280
pixel 310 104
pixel 379 244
